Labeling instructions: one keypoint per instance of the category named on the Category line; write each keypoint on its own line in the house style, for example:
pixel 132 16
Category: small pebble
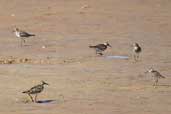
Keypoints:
pixel 85 6
pixel 13 15
pixel 43 47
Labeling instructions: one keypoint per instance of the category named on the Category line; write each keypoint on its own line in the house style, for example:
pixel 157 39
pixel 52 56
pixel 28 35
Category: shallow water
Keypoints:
pixel 117 57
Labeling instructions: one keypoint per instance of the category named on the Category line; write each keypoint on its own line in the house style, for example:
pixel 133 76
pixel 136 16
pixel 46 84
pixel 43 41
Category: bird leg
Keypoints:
pixel 100 54
pixel 35 99
pixel 31 98
pixel 135 57
pixel 21 44
pixel 155 82
pixel 22 41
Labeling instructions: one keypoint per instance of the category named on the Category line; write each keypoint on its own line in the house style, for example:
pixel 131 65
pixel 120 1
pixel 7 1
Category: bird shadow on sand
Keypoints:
pixel 45 101
pixel 26 45
pixel 164 85
pixel 117 57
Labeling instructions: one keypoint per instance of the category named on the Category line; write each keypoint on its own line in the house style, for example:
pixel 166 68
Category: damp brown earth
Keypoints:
pixel 81 82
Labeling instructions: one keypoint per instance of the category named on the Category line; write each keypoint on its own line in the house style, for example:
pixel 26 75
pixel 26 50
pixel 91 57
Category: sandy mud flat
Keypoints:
pixel 81 82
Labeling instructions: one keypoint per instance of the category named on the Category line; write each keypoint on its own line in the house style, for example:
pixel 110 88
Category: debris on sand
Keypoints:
pixel 13 15
pixel 9 60
pixel 26 100
pixel 13 60
pixel 43 47
pixel 46 60
pixel 82 9
pixel 85 6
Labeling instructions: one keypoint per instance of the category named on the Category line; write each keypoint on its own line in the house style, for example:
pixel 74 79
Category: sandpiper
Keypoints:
pixel 35 90
pixel 155 74
pixel 22 35
pixel 136 50
pixel 100 47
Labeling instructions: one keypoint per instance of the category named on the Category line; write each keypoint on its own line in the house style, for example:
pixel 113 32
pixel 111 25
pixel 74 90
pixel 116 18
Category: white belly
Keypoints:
pixel 17 34
pixel 135 48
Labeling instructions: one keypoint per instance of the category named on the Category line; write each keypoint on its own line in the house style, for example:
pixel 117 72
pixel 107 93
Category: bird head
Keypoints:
pixel 150 70
pixel 44 83
pixel 107 44
pixel 135 44
pixel 15 29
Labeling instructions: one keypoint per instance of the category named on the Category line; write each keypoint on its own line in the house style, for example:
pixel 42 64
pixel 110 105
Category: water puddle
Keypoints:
pixel 117 57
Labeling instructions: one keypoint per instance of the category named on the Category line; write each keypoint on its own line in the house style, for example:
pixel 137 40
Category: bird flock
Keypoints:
pixel 99 49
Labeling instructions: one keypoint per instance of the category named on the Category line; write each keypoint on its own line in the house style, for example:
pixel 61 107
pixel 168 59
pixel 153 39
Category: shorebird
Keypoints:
pixel 100 47
pixel 136 50
pixel 155 74
pixel 22 35
pixel 35 90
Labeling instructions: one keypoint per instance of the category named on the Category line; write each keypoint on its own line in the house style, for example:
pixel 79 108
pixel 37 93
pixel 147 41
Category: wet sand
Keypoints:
pixel 81 82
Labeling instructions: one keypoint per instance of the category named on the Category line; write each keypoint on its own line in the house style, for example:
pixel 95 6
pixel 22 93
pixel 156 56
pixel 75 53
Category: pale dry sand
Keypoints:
pixel 80 82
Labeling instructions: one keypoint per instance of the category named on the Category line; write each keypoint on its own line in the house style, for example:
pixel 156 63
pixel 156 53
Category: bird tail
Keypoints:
pixel 162 76
pixel 25 91
pixel 32 34
pixel 91 46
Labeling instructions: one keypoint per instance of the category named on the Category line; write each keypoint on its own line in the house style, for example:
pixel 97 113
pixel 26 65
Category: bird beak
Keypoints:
pixel 110 45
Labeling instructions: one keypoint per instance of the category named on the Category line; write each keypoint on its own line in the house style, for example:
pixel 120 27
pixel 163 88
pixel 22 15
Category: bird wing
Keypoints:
pixel 140 49
pixel 27 91
pixel 25 34
pixel 36 89
pixel 101 46
pixel 137 49
pixel 160 76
